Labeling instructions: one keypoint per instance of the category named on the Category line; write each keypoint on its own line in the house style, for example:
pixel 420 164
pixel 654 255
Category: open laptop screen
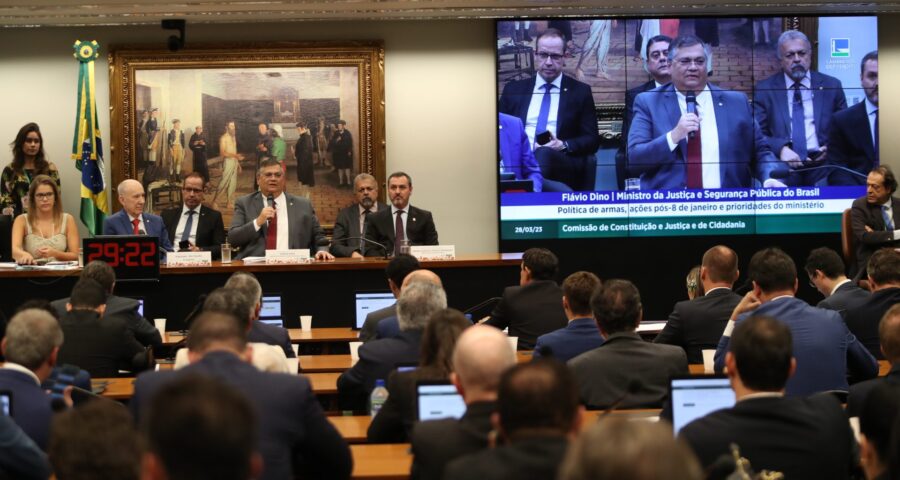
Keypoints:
pixel 437 400
pixel 696 397
pixel 270 313
pixel 368 302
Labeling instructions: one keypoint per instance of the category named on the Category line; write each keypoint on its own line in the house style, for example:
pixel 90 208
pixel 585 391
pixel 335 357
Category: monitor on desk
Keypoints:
pixel 140 308
pixel 436 400
pixel 270 313
pixel 368 302
pixel 696 396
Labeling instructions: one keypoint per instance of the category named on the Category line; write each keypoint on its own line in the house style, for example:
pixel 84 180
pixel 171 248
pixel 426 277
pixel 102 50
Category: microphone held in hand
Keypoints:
pixel 690 101
pixel 270 201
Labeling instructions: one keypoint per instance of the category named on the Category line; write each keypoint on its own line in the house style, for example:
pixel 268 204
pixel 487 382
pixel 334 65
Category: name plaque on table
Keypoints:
pixel 433 252
pixel 189 259
pixel 287 257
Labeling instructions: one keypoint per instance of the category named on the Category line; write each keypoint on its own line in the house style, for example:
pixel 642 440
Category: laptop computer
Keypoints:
pixel 270 313
pixel 693 397
pixel 368 302
pixel 438 399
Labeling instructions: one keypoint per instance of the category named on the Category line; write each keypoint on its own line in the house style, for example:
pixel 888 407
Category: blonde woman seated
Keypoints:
pixel 45 232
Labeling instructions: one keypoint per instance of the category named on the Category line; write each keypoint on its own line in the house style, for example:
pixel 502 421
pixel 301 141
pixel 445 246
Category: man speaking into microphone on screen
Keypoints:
pixel 271 219
pixel 691 134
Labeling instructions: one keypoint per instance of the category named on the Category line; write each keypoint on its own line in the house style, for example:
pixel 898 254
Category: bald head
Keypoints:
pixel 423 276
pixel 720 265
pixel 131 196
pixel 481 355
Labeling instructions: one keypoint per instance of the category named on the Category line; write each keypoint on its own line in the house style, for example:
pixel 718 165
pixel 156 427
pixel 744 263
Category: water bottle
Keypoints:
pixel 378 397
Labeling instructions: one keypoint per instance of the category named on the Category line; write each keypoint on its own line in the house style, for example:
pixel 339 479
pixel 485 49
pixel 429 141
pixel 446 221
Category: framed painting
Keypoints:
pixel 317 108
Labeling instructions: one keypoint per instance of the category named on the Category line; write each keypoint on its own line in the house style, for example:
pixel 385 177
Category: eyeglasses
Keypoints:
pixel 798 54
pixel 192 190
pixel 277 174
pixel 687 62
pixel 552 56
pixel 45 196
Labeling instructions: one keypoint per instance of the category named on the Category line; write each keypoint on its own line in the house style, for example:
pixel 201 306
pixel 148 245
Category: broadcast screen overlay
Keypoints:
pixel 686 126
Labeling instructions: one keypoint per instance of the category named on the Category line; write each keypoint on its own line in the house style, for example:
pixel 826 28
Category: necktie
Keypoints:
pixel 135 223
pixel 798 123
pixel 888 221
pixel 362 231
pixel 875 138
pixel 544 113
pixel 186 235
pixel 272 231
pixel 695 161
pixel 398 232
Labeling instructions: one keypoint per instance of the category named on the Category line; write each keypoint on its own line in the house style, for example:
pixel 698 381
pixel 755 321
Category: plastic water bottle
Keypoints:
pixel 378 397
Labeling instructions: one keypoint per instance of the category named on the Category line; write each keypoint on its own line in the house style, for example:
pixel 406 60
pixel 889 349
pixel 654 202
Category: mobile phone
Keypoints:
pixel 543 138
pixel 814 155
pixel 184 245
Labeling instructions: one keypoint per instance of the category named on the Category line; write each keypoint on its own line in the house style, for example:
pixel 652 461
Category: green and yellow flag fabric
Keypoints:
pixel 87 148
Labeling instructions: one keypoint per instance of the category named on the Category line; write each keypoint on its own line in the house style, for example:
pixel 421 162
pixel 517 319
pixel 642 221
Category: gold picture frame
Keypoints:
pixel 244 85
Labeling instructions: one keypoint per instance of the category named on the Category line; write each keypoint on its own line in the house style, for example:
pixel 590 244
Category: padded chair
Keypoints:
pixel 6 222
pixel 848 248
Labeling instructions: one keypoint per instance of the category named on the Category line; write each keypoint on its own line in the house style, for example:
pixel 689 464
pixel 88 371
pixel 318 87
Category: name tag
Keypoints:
pixel 189 259
pixel 433 252
pixel 282 257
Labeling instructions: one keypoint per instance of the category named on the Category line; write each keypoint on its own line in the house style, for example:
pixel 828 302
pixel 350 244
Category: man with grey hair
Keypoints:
pixel 481 356
pixel 349 228
pixel 795 122
pixel 417 303
pixel 246 283
pixel 31 345
pixel 390 326
pixel 132 219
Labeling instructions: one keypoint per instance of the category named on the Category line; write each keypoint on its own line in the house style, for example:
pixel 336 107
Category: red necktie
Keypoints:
pixel 694 162
pixel 136 222
pixel 272 232
pixel 398 233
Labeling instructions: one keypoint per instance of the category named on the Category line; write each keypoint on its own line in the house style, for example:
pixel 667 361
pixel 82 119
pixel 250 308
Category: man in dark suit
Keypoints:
pixel 696 325
pixel 350 224
pixel 396 270
pixel 193 222
pixel 889 339
pixel 854 136
pixel 581 334
pixel 516 157
pixel 480 357
pixel 378 358
pixel 877 429
pixel 667 145
pixel 31 346
pixel 884 280
pixel 246 283
pixel 390 326
pixel 132 220
pixel 197 145
pixel 534 307
pixel 794 108
pixel 799 437
pixel 295 437
pixel 122 308
pixel 402 222
pixel 826 272
pixel 875 218
pixel 825 350
pixel 272 219
pixel 95 343
pixel 625 369
pixel 537 413
pixel 564 107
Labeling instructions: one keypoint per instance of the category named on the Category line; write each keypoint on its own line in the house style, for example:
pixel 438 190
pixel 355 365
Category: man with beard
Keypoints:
pixel 402 222
pixel 854 138
pixel 350 224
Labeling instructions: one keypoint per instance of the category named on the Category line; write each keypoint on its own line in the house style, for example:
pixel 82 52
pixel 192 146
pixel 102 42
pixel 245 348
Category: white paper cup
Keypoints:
pixel 513 343
pixel 306 322
pixel 708 360
pixel 293 365
pixel 354 351
pixel 160 324
pixel 296 348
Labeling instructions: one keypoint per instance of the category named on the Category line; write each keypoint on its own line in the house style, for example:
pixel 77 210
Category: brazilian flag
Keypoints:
pixel 87 148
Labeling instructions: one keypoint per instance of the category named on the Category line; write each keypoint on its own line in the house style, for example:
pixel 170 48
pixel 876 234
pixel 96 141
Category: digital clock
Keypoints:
pixel 133 257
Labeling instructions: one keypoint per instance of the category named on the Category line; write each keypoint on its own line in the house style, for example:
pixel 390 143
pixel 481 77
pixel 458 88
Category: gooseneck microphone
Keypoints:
pixel 690 101
pixel 387 252
pixel 785 173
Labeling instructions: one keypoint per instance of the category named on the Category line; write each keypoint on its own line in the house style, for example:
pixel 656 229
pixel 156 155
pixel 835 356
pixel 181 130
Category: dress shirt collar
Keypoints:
pixel 539 84
pixel 581 321
pixel 395 209
pixel 836 287
pixel 887 203
pixel 779 298
pixel 754 396
pixel 362 210
pixel 131 219
pixel 716 288
pixel 805 81
pixel 19 368
pixel 704 94
pixel 185 209
pixel 279 200
pixel 870 107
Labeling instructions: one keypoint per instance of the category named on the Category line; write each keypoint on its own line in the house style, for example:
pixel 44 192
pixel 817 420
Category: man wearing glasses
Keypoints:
pixel 195 227
pixel 691 134
pixel 271 219
pixel 349 227
pixel 559 117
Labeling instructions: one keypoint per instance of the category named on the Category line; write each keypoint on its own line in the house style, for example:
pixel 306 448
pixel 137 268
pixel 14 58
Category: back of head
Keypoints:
pixel 417 303
pixel 889 334
pixel 211 329
pixel 618 448
pixel 542 263
pixel 399 267
pixel 772 270
pixel 481 356
pixel 39 304
pixel 87 294
pixel 101 272
pixel 422 275
pixel 439 339
pixel 825 260
pixel 232 302
pixel 616 305
pixel 762 348
pixel 199 428
pixel 539 397
pixel 95 440
pixel 879 416
pixel 31 336
pixel 721 264
pixel 578 288
pixel 884 267
pixel 246 283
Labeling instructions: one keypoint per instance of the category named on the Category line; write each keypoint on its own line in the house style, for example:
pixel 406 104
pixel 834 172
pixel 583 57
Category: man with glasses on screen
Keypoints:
pixel 198 225
pixel 559 118
pixel 691 134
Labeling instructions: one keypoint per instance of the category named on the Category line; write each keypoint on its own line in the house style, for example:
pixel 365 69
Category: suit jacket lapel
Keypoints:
pixel 723 130
pixel 563 98
pixel 818 97
pixel 780 90
pixel 673 110
pixel 865 128
pixel 291 213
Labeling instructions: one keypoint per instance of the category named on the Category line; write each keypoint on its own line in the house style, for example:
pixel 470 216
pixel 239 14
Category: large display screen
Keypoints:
pixel 683 126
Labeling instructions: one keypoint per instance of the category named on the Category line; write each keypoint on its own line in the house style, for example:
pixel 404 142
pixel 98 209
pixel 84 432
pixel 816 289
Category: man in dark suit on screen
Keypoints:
pixel 799 437
pixel 350 223
pixel 561 106
pixel 402 222
pixel 795 106
pixel 875 218
pixel 854 135
pixel 193 222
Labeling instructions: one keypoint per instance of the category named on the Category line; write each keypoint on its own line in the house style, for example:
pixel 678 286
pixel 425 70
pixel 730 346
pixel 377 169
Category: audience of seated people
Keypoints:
pixel 396 270
pixel 581 334
pixel 246 283
pixel 390 326
pixel 883 272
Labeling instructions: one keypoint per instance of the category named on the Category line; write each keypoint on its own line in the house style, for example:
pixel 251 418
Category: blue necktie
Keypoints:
pixel 888 221
pixel 798 123
pixel 186 235
pixel 875 138
pixel 544 114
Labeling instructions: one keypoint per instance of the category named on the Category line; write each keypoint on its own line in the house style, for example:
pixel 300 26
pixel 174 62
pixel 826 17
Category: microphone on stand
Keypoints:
pixel 690 101
pixel 387 253
pixel 781 173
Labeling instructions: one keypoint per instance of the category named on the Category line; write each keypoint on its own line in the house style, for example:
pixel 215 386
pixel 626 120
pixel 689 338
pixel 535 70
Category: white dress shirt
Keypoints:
pixel 871 108
pixel 806 93
pixel 534 108
pixel 362 216
pixel 283 237
pixel 140 219
pixel 403 216
pixel 182 222
pixel 709 136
